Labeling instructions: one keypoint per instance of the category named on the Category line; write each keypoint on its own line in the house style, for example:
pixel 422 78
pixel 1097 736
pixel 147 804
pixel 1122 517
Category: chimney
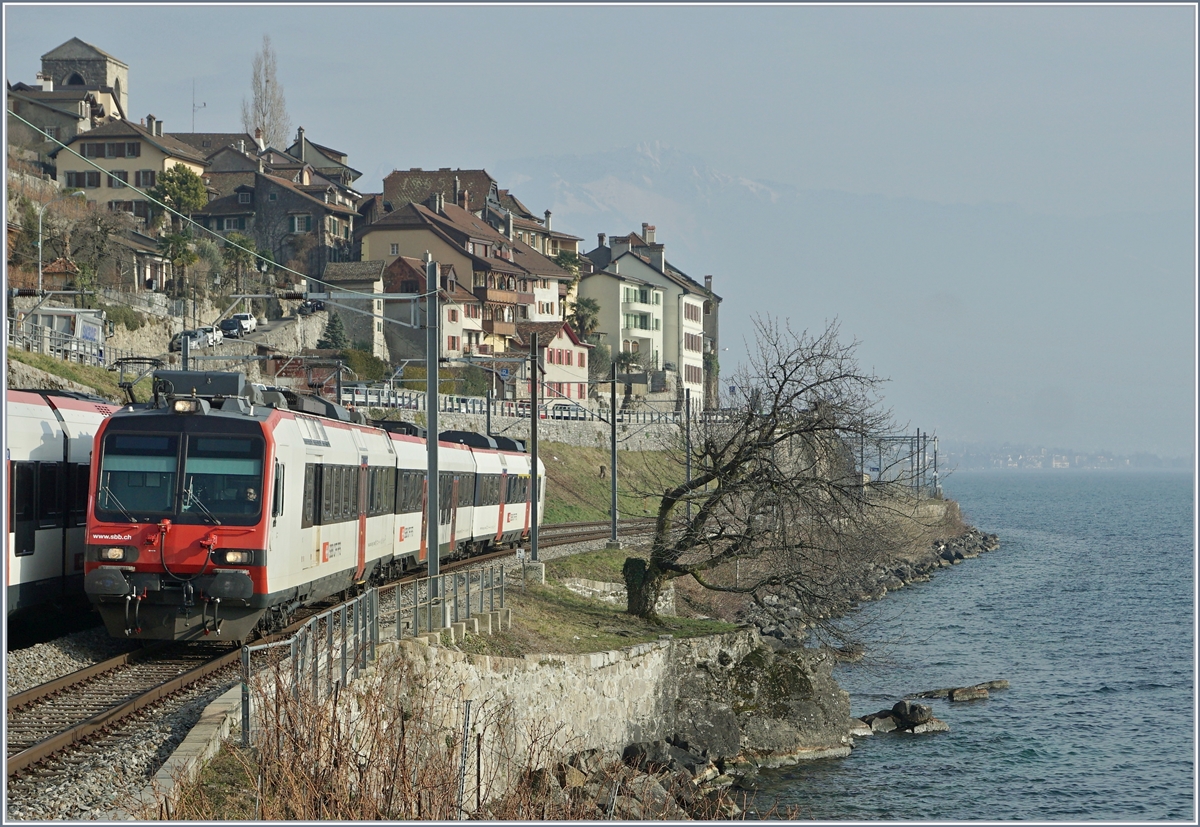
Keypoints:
pixel 47 82
pixel 708 283
pixel 457 190
pixel 150 124
pixel 620 246
pixel 242 145
pixel 615 267
pixel 648 233
pixel 300 141
pixel 508 224
pixel 657 257
pixel 547 221
pixel 600 238
pixel 258 139
pixel 463 200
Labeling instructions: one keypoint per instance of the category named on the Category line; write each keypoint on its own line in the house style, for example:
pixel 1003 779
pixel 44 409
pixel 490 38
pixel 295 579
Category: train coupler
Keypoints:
pixel 135 627
pixel 216 621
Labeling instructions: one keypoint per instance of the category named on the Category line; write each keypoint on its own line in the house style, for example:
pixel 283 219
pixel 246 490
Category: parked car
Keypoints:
pixel 212 334
pixel 232 328
pixel 565 410
pixel 249 323
pixel 309 307
pixel 196 340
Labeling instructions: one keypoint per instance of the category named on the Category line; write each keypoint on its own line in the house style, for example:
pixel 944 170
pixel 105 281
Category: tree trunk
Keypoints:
pixel 643 585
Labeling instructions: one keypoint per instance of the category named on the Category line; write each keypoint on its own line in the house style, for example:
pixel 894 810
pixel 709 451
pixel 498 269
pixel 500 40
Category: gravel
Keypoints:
pixel 27 668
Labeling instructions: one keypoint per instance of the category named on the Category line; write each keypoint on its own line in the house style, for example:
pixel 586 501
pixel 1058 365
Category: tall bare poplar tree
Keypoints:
pixel 267 111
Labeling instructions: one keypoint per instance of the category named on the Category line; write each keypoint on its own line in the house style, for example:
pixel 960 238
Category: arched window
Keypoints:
pixel 76 79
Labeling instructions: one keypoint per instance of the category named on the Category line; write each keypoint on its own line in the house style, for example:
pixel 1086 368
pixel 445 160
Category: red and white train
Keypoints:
pixel 49 449
pixel 220 508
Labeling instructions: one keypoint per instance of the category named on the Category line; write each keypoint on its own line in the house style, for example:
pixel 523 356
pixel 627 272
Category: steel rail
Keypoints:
pixel 48 746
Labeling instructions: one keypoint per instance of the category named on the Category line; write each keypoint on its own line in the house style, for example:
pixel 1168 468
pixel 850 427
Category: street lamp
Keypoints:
pixel 41 212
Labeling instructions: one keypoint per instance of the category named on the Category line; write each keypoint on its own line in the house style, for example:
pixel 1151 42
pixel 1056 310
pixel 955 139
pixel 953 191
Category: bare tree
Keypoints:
pixel 267 110
pixel 776 498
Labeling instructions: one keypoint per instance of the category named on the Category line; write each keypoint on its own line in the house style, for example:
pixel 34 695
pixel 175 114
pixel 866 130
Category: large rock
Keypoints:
pixel 708 728
pixel 968 693
pixel 910 714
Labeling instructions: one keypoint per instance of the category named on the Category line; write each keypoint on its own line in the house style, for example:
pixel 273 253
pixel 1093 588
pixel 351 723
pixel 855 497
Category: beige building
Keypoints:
pixel 121 158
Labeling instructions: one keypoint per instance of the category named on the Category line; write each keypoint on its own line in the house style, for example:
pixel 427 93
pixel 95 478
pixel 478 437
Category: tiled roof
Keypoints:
pixel 71 49
pixel 226 183
pixel 209 142
pixel 120 129
pixel 345 271
pixel 535 263
pixel 513 204
pixel 545 330
pixel 416 185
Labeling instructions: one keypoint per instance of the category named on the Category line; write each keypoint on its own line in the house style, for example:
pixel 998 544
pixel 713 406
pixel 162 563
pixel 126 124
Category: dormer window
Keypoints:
pixel 243 198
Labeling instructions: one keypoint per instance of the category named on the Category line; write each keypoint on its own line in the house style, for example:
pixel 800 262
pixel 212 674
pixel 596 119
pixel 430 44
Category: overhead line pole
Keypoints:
pixel 534 381
pixel 432 511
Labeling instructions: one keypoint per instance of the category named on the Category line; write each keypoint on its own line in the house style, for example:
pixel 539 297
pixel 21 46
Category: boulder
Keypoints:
pixel 656 803
pixel 657 756
pixel 883 723
pixel 932 725
pixel 968 693
pixel 910 714
pixel 709 728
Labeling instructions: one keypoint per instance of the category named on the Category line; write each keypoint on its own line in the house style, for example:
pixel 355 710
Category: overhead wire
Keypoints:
pixel 189 220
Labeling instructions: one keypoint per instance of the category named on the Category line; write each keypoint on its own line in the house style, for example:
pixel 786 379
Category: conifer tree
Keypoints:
pixel 334 336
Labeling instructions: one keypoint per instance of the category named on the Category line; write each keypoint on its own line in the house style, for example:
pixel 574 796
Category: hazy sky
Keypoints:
pixel 1068 117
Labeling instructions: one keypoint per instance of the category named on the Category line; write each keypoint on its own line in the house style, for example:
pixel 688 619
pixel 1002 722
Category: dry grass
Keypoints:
pixel 551 619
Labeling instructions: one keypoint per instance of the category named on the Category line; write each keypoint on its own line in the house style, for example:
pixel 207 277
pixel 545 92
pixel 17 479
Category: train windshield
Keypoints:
pixel 223 479
pixel 137 477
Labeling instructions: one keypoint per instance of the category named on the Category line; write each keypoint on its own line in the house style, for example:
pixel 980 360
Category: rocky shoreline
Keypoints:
pixel 776 705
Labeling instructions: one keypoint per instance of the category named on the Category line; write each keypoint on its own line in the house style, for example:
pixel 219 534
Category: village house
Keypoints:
pixel 652 308
pixel 563 357
pixel 362 317
pixel 130 156
pixel 301 223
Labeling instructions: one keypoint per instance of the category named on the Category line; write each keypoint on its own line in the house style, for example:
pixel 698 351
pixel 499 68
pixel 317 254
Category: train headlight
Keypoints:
pixel 112 553
pixel 186 406
pixel 237 558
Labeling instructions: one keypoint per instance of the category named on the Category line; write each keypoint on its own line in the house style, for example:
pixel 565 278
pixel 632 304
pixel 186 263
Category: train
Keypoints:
pixel 220 507
pixel 47 461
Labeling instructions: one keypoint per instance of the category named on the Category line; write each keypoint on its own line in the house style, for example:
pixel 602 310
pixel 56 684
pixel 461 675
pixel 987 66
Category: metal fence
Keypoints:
pixel 331 648
pixel 157 304
pixel 35 338
pixel 386 397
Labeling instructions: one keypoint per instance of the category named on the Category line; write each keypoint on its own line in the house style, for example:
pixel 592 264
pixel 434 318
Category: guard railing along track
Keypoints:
pixel 55 715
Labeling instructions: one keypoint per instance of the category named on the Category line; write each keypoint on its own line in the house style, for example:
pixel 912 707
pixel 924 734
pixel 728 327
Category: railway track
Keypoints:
pixel 48 718
pixel 57 714
pixel 562 534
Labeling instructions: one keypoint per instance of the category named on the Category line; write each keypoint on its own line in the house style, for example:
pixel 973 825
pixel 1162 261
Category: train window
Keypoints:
pixel 328 494
pixel 466 490
pixel 78 492
pixel 223 479
pixel 50 495
pixel 308 513
pixel 137 476
pixel 352 477
pixel 23 491
pixel 277 500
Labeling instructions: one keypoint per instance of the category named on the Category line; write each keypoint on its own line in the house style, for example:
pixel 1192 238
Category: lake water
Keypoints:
pixel 1087 609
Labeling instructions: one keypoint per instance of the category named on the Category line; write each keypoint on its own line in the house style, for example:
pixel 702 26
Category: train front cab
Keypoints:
pixel 177 526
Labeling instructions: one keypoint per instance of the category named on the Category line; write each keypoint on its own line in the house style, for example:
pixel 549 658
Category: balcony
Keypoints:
pixel 492 294
pixel 498 328
pixel 526 298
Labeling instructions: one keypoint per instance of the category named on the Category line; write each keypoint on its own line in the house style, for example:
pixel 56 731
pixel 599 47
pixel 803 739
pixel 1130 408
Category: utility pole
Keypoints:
pixel 533 440
pixel 613 542
pixel 432 511
pixel 687 431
